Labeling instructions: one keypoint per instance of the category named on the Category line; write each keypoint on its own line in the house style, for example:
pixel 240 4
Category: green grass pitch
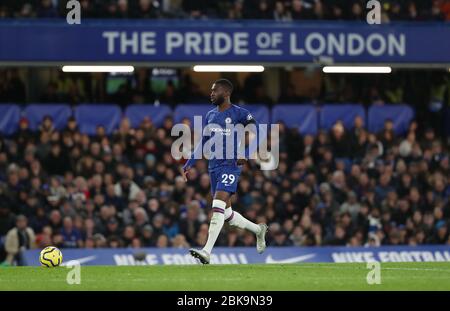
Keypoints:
pixel 394 276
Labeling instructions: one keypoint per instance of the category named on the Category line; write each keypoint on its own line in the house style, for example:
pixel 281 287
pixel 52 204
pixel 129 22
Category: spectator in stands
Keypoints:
pixel 26 11
pixel 88 9
pixel 445 8
pixel 301 10
pixel 24 135
pixel 190 225
pixel 336 10
pixel 263 11
pixel 412 12
pixel 358 127
pixel 57 161
pixel 129 233
pixel 280 239
pixel 19 238
pixel 46 9
pixel 4 12
pixel 236 11
pixel 340 142
pixel 395 13
pixel 147 9
pixel 351 205
pixel 280 13
pixel 250 9
pixel 387 135
pixel 71 236
pixel 436 14
pixel 111 9
pixel 338 238
pixel 6 223
pixel 357 12
pixel 196 9
pixel 123 10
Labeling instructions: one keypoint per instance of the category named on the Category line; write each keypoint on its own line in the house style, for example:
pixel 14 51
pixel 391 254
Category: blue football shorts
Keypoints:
pixel 224 179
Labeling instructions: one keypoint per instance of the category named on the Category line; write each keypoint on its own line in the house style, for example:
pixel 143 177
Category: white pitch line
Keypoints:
pixel 417 269
pixel 364 268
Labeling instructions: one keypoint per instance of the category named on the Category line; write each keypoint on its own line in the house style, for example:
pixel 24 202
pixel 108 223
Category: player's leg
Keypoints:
pixel 217 219
pixel 237 220
pixel 215 226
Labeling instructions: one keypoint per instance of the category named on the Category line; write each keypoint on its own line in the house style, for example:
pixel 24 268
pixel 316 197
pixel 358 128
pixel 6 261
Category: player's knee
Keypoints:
pixel 218 209
pixel 218 206
pixel 222 196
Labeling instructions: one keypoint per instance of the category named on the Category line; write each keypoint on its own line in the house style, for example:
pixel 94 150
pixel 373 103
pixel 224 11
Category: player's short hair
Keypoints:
pixel 225 83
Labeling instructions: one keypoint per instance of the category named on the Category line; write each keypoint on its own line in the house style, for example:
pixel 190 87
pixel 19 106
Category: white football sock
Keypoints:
pixel 216 224
pixel 237 220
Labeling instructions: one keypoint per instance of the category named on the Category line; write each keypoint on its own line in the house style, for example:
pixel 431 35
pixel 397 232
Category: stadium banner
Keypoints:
pixel 248 255
pixel 219 41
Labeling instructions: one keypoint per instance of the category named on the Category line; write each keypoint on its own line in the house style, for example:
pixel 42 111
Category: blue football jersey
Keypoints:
pixel 216 124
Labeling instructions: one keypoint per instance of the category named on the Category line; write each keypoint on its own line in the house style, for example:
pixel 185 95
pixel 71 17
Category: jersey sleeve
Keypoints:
pixel 246 117
pixel 259 131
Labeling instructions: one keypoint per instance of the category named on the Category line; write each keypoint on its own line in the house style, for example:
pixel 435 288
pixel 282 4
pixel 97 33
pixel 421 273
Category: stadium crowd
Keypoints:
pixel 393 10
pixel 427 91
pixel 343 187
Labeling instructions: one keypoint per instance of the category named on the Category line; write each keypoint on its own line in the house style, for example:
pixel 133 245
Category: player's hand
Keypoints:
pixel 240 162
pixel 184 172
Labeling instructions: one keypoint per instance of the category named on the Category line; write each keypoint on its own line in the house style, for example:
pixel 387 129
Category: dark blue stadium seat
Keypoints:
pixel 304 117
pixel 90 116
pixel 401 115
pixel 58 112
pixel 190 110
pixel 260 113
pixel 9 119
pixel 137 113
pixel 330 114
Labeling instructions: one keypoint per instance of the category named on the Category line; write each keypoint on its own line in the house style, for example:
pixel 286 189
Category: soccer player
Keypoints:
pixel 224 172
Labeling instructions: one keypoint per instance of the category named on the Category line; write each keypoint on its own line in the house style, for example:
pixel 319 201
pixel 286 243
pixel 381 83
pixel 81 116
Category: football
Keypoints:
pixel 50 257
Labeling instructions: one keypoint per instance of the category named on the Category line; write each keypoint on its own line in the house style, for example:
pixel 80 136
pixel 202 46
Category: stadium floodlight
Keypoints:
pixel 357 69
pixel 89 68
pixel 228 68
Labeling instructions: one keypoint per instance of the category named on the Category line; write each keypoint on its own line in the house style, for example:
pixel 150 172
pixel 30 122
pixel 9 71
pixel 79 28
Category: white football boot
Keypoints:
pixel 261 238
pixel 200 254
